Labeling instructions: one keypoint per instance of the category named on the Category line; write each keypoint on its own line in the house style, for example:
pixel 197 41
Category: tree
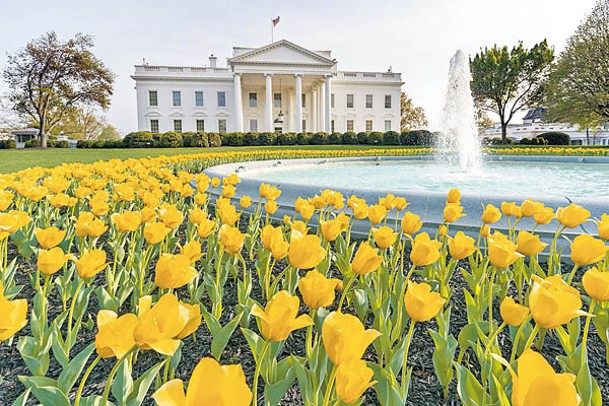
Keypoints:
pixel 109 132
pixel 80 123
pixel 505 81
pixel 483 121
pixel 49 77
pixel 578 91
pixel 9 118
pixel 411 117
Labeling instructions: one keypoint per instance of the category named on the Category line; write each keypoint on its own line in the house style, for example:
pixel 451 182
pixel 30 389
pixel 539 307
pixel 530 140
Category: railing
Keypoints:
pixel 369 75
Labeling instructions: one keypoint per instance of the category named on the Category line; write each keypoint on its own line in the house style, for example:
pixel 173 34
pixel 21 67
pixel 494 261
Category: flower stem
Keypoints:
pixel 529 342
pixel 84 379
pixel 408 340
pixel 113 373
pixel 329 387
pixel 586 328
pixel 257 372
pixel 345 290
pixel 572 274
pixel 70 314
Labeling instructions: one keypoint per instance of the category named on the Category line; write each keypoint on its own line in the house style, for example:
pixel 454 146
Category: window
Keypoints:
pixel 177 126
pixel 387 125
pixel 177 98
pixel 153 98
pixel 199 99
pixel 253 124
pixel 222 99
pixel 304 100
pixel 304 125
pixel 349 101
pixel 154 126
pixel 200 126
pixel 349 125
pixel 368 125
pixel 332 126
pixel 277 100
pixel 368 101
pixel 332 100
pixel 253 100
pixel 221 124
pixel 387 101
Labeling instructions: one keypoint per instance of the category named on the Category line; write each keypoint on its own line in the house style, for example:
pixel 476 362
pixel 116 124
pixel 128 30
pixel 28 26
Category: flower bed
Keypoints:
pixel 121 282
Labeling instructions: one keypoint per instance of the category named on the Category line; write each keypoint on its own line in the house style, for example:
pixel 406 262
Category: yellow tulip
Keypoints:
pixel 194 320
pixel 586 250
pixel 411 224
pixel 317 290
pixel 530 208
pixel 127 221
pixel 91 263
pixel 511 209
pixel 344 221
pixel 170 215
pixel 513 313
pixel 553 302
pixel 384 237
pixel 205 228
pixel 603 227
pixel 352 379
pixel 453 212
pixel 501 251
pixel 99 208
pixel 366 259
pixel 421 303
pixel 425 251
pixel 210 384
pixel 228 191
pixel 345 338
pixel 331 229
pixel 572 216
pixel 529 244
pixel 215 182
pixel 536 383
pixel 159 326
pixel 231 239
pixel 14 315
pixel 192 250
pixel 114 336
pixel 461 246
pixel 442 230
pixel 228 214
pixel 491 214
pixel 245 202
pixel 596 284
pixel 360 211
pixel 376 213
pixel 174 271
pixel 544 216
pixel 155 232
pixel 88 226
pixel 306 252
pixel 148 214
pixel 454 197
pixel 271 207
pixel 49 237
pixel 51 261
pixel 485 231
pixel 400 203
pixel 306 211
pixel 278 319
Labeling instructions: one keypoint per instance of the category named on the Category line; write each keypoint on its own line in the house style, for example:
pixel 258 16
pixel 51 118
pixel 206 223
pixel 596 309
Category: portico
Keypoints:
pixel 289 77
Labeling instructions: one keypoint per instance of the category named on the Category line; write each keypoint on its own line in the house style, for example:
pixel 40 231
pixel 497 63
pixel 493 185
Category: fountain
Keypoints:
pixel 459 141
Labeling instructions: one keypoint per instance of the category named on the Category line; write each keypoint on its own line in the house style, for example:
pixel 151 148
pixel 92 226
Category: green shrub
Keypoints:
pixel 419 138
pixel 319 138
pixel 375 138
pixel 83 144
pixel 170 139
pixel 112 144
pixel 214 139
pixel 349 138
pixel 362 137
pixel 391 138
pixel 138 139
pixel 250 138
pixel 335 138
pixel 555 138
pixel 8 144
pixel 303 138
pixel 61 144
pixel 525 141
pixel 35 143
pixel 191 139
pixel 287 139
pixel 267 138
pixel 233 139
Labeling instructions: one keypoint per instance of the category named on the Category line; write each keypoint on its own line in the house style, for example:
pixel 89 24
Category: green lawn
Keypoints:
pixel 12 160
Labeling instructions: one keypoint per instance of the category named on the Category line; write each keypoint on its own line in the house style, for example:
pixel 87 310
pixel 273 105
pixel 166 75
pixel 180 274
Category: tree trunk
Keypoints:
pixel 588 135
pixel 43 136
pixel 503 133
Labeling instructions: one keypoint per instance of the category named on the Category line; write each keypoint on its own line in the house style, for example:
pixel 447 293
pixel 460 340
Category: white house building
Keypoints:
pixel 278 87
pixel 533 124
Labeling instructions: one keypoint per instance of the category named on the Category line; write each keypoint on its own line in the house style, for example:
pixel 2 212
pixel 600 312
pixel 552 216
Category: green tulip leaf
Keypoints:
pixel 221 337
pixel 142 384
pixel 70 374
pixel 45 390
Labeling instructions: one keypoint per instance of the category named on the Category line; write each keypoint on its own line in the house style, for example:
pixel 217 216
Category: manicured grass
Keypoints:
pixel 16 160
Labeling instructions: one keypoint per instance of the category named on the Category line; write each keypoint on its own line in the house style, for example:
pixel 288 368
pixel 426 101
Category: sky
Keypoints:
pixel 415 37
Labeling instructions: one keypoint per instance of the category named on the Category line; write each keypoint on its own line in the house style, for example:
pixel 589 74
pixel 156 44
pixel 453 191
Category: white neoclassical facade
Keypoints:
pixel 278 87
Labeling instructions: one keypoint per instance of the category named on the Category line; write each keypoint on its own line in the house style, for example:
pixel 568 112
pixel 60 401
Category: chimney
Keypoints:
pixel 212 61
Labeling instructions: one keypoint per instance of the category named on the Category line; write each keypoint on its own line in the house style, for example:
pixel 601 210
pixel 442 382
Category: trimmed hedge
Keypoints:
pixel 171 139
pixel 8 144
pixel 555 138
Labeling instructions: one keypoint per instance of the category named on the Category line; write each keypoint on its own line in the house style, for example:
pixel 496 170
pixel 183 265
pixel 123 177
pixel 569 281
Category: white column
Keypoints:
pixel 322 109
pixel 268 113
pixel 238 103
pixel 328 112
pixel 290 116
pixel 298 103
pixel 313 109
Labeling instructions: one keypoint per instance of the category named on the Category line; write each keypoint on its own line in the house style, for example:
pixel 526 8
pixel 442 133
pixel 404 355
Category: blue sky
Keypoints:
pixel 416 38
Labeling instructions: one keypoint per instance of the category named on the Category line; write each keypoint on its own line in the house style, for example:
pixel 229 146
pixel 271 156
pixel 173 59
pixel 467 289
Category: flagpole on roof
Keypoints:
pixel 272 30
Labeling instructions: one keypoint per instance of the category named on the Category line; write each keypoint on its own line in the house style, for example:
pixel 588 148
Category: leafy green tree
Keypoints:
pixel 578 91
pixel 109 132
pixel 505 81
pixel 48 77
pixel 411 117
pixel 80 123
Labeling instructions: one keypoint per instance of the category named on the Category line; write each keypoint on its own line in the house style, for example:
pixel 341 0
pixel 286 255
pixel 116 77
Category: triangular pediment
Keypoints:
pixel 282 52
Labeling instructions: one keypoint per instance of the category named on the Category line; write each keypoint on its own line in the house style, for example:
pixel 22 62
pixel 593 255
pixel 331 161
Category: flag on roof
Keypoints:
pixel 275 21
